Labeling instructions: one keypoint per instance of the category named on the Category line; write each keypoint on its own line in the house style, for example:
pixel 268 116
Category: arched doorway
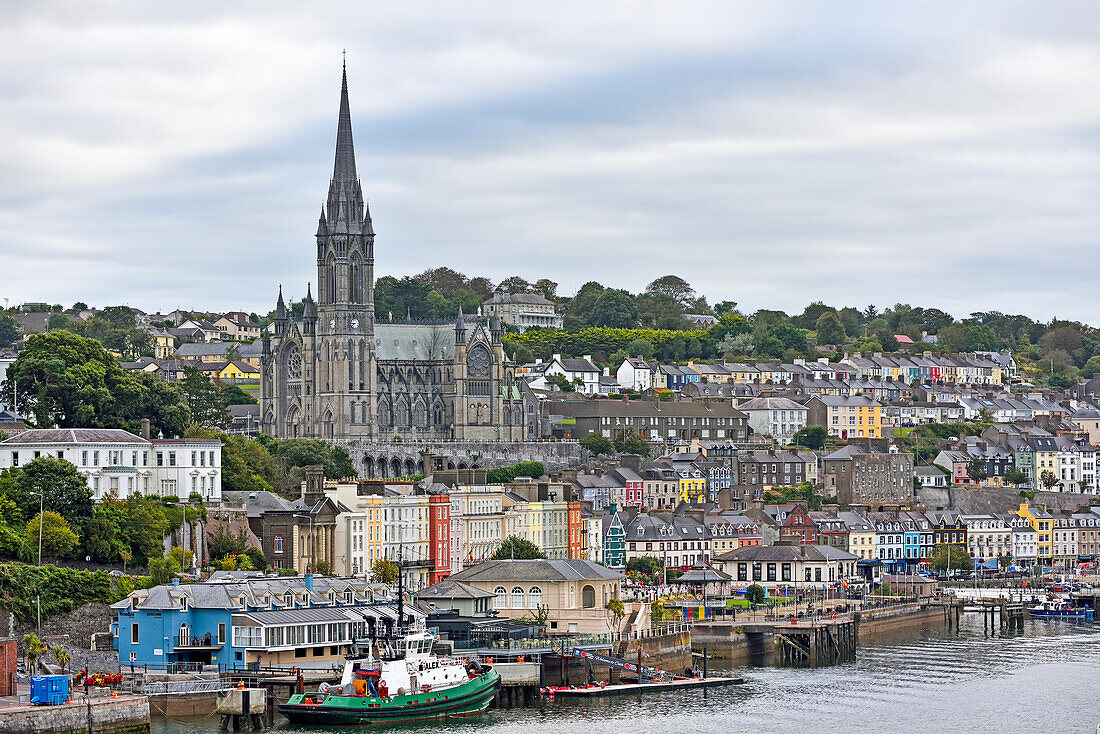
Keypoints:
pixel 395 467
pixel 588 597
pixel 410 467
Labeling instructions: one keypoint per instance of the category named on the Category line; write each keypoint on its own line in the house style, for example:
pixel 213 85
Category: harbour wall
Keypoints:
pixel 123 715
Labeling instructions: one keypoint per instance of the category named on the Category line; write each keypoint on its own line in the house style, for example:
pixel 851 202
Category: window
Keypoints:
pixel 221 633
pixel 277 544
pixel 501 601
pixel 517 597
pixel 534 597
pixel 134 633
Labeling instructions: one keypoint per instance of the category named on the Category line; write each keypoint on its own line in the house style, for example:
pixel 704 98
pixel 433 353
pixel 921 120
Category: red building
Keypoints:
pixel 439 536
pixel 794 522
pixel 578 531
pixel 9 659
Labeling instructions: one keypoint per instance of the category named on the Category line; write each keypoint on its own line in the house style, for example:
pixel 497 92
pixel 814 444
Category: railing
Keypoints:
pixel 180 687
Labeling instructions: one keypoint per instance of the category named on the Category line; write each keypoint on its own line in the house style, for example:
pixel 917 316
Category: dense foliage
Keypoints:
pixel 61 590
pixel 516 548
pixel 506 474
pixel 69 381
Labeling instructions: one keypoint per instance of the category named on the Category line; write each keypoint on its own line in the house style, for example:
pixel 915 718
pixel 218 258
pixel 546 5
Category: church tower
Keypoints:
pixel 344 337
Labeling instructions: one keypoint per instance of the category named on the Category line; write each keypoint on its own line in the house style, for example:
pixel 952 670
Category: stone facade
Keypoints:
pixel 337 374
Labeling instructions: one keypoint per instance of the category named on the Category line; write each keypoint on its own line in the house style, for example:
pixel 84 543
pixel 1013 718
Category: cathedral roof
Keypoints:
pixel 416 342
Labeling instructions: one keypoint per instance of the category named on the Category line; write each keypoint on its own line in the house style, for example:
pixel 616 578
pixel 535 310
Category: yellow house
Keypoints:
pixel 164 344
pixel 693 488
pixel 239 370
pixel 1043 524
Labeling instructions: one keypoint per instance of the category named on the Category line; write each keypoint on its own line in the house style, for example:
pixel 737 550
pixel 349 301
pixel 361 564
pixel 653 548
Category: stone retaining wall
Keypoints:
pixel 124 715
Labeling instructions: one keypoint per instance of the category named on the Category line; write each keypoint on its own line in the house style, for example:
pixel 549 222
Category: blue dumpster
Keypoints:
pixel 50 690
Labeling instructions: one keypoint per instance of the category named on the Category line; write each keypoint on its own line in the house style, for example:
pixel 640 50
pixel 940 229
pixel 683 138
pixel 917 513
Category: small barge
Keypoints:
pixel 646 687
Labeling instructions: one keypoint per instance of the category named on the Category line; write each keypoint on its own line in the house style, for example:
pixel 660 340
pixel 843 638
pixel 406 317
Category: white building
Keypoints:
pixel 118 462
pixel 779 418
pixel 583 371
pixel 523 310
pixel 1025 540
pixel 477 523
pixel 987 537
pixel 634 374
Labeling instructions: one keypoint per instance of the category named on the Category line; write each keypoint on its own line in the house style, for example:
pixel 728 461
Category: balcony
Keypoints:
pixel 204 642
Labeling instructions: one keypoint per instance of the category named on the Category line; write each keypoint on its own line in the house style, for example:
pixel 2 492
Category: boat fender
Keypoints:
pixel 401 691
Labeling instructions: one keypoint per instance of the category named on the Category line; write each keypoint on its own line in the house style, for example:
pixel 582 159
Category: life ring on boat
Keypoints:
pixel 832 616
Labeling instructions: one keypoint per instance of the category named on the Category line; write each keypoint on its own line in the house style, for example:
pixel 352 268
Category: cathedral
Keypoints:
pixel 336 373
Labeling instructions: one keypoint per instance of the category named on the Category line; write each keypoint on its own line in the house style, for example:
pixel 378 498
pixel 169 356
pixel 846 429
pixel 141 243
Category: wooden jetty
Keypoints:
pixel 619 688
pixel 817 642
pixel 1009 614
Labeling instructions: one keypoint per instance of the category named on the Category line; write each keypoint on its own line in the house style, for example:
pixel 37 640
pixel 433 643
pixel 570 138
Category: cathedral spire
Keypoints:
pixel 280 307
pixel 344 169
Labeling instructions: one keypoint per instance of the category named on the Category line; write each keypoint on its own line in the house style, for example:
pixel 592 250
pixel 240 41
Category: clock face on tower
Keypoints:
pixel 355 323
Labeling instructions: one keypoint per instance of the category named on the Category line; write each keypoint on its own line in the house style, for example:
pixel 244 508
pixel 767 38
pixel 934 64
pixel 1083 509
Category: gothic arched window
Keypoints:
pixel 383 414
pixel 354 278
pixel 401 414
pixel 420 415
pixel 478 362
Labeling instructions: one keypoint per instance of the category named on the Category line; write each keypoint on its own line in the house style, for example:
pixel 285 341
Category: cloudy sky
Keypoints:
pixel 940 153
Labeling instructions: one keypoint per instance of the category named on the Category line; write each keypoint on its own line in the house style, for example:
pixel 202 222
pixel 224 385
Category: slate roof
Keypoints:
pixel 537 570
pixel 451 589
pixel 73 436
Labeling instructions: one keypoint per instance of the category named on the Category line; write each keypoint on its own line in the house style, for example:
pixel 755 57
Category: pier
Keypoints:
pixel 818 642
pixel 1010 614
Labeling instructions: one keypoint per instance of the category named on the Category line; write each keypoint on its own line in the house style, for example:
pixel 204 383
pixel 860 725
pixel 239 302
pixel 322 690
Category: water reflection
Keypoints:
pixel 937 681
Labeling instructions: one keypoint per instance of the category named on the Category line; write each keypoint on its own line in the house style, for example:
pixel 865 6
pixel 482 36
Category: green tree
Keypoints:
pixel 57 538
pixel 115 327
pixel 597 444
pixel 631 443
pixel 617 610
pixel 58 321
pixel 976 470
pixel 615 309
pixel 64 489
pixel 257 558
pixel 812 437
pixel 62 656
pixel 647 568
pixel 33 649
pixel 222 541
pixel 953 557
pixel 755 594
pixel 675 288
pixel 1048 479
pixel 161 570
pixel 10 331
pixel 1015 477
pixel 640 348
pixel 68 381
pixel 206 401
pixel 547 287
pixel 384 572
pixel 736 345
pixel 517 548
pixel 236 396
pixel 829 329
pixel 184 558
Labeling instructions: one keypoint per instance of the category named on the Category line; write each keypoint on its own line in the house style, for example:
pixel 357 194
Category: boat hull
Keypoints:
pixel 1084 615
pixel 465 700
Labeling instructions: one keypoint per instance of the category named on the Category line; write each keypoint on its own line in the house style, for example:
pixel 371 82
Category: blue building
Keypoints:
pixel 239 619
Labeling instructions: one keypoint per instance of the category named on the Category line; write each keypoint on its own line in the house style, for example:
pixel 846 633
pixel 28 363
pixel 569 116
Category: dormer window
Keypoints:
pixel 288 599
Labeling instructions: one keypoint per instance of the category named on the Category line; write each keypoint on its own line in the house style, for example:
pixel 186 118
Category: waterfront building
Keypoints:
pixel 889 540
pixel 988 537
pixel 918 537
pixel 1042 522
pixel 679 541
pixel 118 463
pixel 614 538
pixel 1024 548
pixel 1088 536
pixel 241 618
pixel 788 566
pixel 573 592
pixel 831 530
pixel 948 528
pixel 477 523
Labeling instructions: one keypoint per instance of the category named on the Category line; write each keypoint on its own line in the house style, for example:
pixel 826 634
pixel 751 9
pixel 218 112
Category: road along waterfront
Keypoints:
pixel 937 680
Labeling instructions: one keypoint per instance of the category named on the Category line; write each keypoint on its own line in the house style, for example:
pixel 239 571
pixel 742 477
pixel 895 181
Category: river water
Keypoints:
pixel 937 681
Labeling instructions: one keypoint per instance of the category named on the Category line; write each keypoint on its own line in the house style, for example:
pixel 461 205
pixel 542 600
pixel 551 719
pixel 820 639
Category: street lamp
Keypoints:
pixel 310 518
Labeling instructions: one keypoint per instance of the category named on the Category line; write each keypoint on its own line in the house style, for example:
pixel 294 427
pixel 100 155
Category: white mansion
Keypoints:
pixel 118 462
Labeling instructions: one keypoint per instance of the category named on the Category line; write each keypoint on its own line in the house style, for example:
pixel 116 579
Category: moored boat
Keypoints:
pixel 1061 610
pixel 409 683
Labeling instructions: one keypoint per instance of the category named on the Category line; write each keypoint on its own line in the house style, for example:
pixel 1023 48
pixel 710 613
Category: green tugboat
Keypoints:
pixel 409 684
